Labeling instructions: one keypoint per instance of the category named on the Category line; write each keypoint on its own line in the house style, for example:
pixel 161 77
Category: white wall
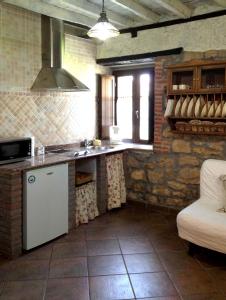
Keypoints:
pixel 200 35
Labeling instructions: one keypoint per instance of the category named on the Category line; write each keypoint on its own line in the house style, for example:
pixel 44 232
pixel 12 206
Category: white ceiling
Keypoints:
pixel 122 13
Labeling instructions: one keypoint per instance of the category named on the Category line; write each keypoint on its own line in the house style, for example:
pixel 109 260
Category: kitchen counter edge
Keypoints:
pixel 53 159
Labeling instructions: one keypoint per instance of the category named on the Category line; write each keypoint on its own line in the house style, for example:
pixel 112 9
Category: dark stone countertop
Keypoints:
pixel 57 158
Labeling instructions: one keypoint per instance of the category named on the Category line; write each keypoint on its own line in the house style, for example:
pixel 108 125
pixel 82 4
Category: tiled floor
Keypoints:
pixel 129 253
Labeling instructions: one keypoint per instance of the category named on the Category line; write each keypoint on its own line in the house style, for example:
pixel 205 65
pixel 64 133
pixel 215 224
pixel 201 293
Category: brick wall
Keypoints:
pixel 71 188
pixel 160 145
pixel 15 212
pixel 10 213
pixel 101 184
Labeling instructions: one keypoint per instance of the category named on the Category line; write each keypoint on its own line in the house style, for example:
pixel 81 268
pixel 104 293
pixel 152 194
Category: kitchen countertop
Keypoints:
pixel 56 158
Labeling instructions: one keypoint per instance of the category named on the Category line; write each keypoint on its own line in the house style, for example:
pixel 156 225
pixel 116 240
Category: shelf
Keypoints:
pixel 200 76
pixel 200 92
pixel 200 127
pixel 193 118
pixel 83 178
pixel 205 97
pixel 212 77
pixel 84 183
pixel 199 133
pixel 184 77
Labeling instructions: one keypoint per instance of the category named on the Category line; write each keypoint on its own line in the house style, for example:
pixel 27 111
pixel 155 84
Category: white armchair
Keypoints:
pixel 202 223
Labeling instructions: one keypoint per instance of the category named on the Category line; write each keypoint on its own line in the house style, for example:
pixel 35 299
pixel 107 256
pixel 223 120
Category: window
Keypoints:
pixel 134 94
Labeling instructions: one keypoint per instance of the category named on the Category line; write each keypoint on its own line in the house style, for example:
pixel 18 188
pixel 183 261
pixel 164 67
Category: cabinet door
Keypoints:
pixel 182 80
pixel 212 78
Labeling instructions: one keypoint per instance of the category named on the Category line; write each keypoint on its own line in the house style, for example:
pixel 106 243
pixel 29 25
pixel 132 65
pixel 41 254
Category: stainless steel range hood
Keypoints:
pixel 52 77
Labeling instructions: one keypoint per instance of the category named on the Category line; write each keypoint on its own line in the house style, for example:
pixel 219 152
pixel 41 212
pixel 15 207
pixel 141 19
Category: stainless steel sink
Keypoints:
pixel 72 152
pixel 104 148
pixel 75 152
pixel 59 151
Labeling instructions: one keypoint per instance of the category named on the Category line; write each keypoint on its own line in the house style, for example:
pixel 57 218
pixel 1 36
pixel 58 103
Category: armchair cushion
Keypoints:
pixel 203 225
pixel 223 179
pixel 203 222
pixel 211 187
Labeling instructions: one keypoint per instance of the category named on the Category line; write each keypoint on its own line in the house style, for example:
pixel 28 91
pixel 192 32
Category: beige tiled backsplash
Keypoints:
pixel 53 118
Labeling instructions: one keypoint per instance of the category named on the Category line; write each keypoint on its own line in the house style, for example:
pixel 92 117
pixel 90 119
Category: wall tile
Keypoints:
pixel 53 118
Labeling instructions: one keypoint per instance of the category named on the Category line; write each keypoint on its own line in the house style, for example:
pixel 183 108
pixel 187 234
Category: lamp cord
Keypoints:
pixel 102 5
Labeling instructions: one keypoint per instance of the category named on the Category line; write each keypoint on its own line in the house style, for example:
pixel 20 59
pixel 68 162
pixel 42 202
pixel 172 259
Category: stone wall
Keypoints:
pixel 170 179
pixel 170 175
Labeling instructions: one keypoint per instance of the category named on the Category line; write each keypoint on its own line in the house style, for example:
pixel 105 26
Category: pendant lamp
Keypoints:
pixel 103 29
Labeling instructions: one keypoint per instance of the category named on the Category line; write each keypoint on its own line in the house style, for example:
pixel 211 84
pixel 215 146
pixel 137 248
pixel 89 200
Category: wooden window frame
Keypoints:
pixel 136 103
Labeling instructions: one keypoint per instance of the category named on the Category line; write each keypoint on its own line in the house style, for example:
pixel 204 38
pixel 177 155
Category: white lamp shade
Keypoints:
pixel 103 31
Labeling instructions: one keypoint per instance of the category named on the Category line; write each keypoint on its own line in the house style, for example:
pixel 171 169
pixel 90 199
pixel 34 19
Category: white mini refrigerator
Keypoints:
pixel 45 205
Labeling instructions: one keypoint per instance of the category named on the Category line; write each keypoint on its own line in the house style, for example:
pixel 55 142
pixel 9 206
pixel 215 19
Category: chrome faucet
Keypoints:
pixel 86 143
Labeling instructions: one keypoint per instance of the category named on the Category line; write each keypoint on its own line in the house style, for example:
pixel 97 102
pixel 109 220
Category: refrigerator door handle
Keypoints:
pixel 50 173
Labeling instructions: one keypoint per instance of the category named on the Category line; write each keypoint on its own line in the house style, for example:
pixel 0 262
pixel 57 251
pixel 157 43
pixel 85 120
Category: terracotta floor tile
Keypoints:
pixel 43 252
pixel 1 287
pixel 140 263
pixel 193 281
pixel 156 218
pixel 168 242
pixel 69 250
pixel 67 289
pixel 103 247
pixel 100 233
pixel 138 245
pixel 214 296
pixel 131 231
pixel 210 259
pixel 110 287
pixel 27 269
pixel 73 236
pixel 156 230
pixel 99 221
pixel 219 277
pixel 23 290
pixel 150 245
pixel 152 285
pixel 106 265
pixel 178 260
pixel 171 218
pixel 68 267
pixel 161 298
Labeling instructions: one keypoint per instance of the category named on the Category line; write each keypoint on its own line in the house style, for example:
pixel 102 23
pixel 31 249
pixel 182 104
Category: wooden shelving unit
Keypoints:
pixel 197 91
pixel 82 178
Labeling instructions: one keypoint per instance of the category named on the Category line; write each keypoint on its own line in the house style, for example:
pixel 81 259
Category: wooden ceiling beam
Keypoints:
pixel 176 7
pixel 138 9
pixel 52 11
pixel 91 10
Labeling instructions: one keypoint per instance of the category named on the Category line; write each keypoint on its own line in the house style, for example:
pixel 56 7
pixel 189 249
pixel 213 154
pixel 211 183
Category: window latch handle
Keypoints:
pixel 137 114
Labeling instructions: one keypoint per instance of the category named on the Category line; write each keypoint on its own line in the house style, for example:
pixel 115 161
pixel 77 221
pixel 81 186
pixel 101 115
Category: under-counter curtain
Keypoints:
pixel 86 203
pixel 115 180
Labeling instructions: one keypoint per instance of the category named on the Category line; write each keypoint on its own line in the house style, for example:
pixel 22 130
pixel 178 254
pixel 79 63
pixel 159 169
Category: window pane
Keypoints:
pixel 124 106
pixel 144 106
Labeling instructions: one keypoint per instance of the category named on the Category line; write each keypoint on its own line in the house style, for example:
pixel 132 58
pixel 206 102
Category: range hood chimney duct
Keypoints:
pixel 52 77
